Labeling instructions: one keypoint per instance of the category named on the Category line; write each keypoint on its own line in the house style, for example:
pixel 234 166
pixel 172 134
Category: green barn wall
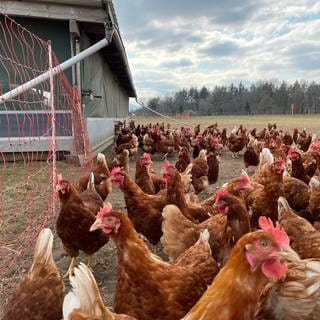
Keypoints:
pixel 56 31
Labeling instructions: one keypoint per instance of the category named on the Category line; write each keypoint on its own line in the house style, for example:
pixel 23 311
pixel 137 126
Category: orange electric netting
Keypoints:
pixel 27 163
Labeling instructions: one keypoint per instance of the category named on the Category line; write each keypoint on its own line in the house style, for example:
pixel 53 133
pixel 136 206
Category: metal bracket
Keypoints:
pixel 109 29
pixel 89 93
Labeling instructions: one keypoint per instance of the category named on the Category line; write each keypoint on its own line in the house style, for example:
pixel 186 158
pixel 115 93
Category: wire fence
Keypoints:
pixel 37 125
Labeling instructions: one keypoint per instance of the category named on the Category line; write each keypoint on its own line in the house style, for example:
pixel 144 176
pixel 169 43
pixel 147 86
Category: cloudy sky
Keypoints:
pixel 178 44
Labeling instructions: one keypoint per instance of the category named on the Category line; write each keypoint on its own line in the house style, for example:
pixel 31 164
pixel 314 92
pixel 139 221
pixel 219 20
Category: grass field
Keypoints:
pixel 284 122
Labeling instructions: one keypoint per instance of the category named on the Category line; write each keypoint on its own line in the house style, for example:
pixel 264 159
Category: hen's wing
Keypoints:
pixel 304 238
pixel 179 233
pixel 296 297
pixel 199 258
pixel 296 192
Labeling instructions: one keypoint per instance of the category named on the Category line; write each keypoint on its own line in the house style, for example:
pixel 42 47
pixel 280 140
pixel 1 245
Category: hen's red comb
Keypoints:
pixel 59 178
pixel 245 178
pixel 220 194
pixel 315 145
pixel 291 150
pixel 147 156
pixel 279 159
pixel 165 165
pixel 103 211
pixel 278 233
pixel 114 171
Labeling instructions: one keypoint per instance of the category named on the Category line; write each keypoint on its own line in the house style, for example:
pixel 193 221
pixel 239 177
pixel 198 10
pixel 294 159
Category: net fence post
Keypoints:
pixel 53 131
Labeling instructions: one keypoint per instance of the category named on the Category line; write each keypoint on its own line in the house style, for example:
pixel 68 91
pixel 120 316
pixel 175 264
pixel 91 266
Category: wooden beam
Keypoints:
pixel 52 11
pixel 85 3
pixel 74 28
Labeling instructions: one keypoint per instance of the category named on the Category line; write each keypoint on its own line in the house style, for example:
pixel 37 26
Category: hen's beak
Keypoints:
pixel 58 188
pixel 289 254
pixel 96 225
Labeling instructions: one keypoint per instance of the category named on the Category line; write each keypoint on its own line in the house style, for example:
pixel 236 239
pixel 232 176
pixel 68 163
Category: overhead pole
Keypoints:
pixel 109 30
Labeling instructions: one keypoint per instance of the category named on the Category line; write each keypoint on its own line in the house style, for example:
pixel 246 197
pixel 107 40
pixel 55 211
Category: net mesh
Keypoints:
pixel 27 145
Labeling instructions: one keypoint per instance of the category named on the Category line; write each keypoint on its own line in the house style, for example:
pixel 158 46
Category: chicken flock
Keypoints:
pixel 251 250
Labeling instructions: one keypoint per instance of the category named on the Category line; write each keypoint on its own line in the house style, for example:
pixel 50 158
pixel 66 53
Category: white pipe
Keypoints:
pixel 45 76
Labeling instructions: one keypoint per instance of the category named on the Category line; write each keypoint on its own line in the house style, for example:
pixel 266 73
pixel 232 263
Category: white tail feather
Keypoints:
pixel 85 289
pixel 266 156
pixel 70 303
pixel 314 183
pixel 101 157
pixel 234 130
pixel 203 154
pixel 90 185
pixel 244 172
pixel 205 235
pixel 313 139
pixel 43 249
pixel 188 169
pixel 283 204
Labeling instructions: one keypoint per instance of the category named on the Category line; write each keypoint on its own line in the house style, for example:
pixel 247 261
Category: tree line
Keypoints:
pixel 263 97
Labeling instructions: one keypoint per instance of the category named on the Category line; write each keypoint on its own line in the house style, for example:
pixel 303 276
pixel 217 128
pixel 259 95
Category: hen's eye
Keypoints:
pixel 264 243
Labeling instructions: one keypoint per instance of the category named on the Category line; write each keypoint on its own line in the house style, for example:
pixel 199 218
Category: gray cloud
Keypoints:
pixel 214 41
pixel 226 48
pixel 270 66
pixel 303 49
pixel 155 37
pixel 304 56
pixel 138 20
pixel 157 85
pixel 307 61
pixel 177 63
pixel 227 11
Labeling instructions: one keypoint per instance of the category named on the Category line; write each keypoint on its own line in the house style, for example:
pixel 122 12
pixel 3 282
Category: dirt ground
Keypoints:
pixel 105 260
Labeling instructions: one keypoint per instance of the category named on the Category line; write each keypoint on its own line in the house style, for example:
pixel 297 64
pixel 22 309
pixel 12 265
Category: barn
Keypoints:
pixel 103 79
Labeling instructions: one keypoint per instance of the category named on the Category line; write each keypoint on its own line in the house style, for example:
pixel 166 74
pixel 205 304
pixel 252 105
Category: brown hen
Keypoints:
pixel 144 210
pixel 263 200
pixel 296 297
pixel 77 213
pixel 147 287
pixel 183 159
pixel 200 171
pixel 304 238
pixel 101 174
pixel 255 260
pixel 142 176
pixel 39 294
pixel 175 195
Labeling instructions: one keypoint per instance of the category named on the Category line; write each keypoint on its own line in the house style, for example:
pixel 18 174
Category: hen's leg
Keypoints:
pixel 89 263
pixel 71 266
